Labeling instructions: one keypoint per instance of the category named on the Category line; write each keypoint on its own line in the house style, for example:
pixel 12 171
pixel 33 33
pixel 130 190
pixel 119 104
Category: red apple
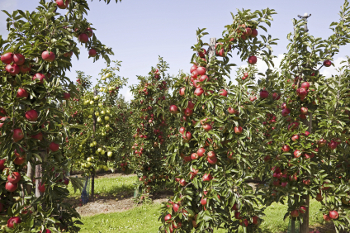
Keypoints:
pixel 182 91
pixel 264 94
pixel 285 148
pixel 295 137
pixel 48 56
pixel 212 160
pixel 10 187
pixel 333 214
pixel 38 136
pixel 203 201
pixel 237 215
pixel 12 221
pixel 182 130
pixel 32 115
pixel 40 77
pixel 255 220
pixel 173 109
pixel 207 127
pixel 285 112
pixel 297 153
pixel 89 33
pixel 17 135
pixel 238 130
pixel 54 147
pixel 199 91
pixel 22 93
pixel 304 110
pixel 252 60
pixel 207 177
pixel 62 4
pixel 167 217
pixel 305 85
pixel 190 105
pixel 200 152
pixel 2 164
pixel 83 38
pixel 92 53
pixel 66 96
pixel 211 154
pixel 254 33
pixel 319 197
pixel 18 59
pixel 176 207
pixel 201 70
pixel 322 142
pixel 326 218
pixel 12 69
pixel 193 68
pixel 183 182
pixel 327 63
pixel 302 209
pixel 7 58
pixel 223 92
pixel 294 213
pixel 14 178
pixel 188 112
pixel 194 156
pixel 187 136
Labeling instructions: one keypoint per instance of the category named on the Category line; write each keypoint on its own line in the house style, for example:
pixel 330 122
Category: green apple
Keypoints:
pixel 99 149
pixel 96 97
pixel 101 89
pixel 96 152
pixel 97 113
pixel 108 112
pixel 92 102
pixel 103 112
pixel 103 152
pixel 103 78
pixel 107 126
pixel 108 75
pixel 110 88
pixel 89 159
pixel 107 118
pixel 99 119
pixel 92 144
pixel 109 153
pixel 88 164
pixel 90 116
pixel 103 134
pixel 100 105
pixel 95 143
pixel 86 102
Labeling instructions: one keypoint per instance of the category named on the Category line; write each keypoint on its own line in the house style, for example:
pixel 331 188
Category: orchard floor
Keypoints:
pixel 114 210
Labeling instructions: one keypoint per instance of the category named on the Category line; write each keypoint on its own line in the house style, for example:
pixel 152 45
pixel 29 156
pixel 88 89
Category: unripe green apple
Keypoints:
pixel 103 78
pixel 100 105
pixel 107 118
pixel 96 97
pixel 108 75
pixel 107 126
pixel 101 89
pixel 97 113
pixel 96 152
pixel 103 152
pixel 88 164
pixel 95 143
pixel 103 134
pixel 109 154
pixel 99 119
pixel 102 112
pixel 99 149
pixel 86 102
pixel 92 102
pixel 88 159
pixel 110 88
pixel 92 144
pixel 107 111
pixel 90 116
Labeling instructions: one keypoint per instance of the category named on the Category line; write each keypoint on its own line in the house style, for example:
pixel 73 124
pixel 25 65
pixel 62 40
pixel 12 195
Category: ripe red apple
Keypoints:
pixel 14 178
pixel 193 68
pixel 194 156
pixel 68 54
pixel 202 53
pixel 200 152
pixel 207 127
pixel 326 218
pixel 237 215
pixel 18 59
pixel 255 220
pixel 305 85
pixel 207 177
pixel 48 56
pixel 12 69
pixel 295 137
pixel 22 93
pixel 285 148
pixel 40 77
pixel 176 207
pixel 7 58
pixel 2 164
pixel 173 109
pixel 302 209
pixel 232 111
pixel 10 187
pixel 19 160
pixel 182 91
pixel 17 135
pixel 304 110
pixel 201 70
pixel 332 145
pixel 322 142
pixel 276 96
pixel 42 188
pixel 254 33
pixel 188 112
pixel 182 130
pixel 264 94
pixel 167 217
pixel 297 153
pixel 294 213
pixel 327 63
pixel 89 33
pixel 183 182
pixel 66 180
pixel 211 154
pixel 302 92
pixel 83 38
pixel 333 214
pixel 32 115
pixel 66 96
pixel 284 184
pixel 223 92
pixel 238 130
pixel 187 136
pixel 12 221
pixel 199 91
pixel 285 112
pixel 252 60
pixel 92 53
pixel 62 4
pixel 203 201
pixel 307 182
pixel 212 160
pixel 190 105
pixel 54 146
pixel 38 136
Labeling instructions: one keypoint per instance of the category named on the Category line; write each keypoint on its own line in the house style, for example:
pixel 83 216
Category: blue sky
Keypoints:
pixel 140 30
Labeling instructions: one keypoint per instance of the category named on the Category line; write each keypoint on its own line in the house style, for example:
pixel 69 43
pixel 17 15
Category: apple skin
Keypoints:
pixel 201 70
pixel 83 38
pixel 38 136
pixel 182 91
pixel 176 207
pixel 200 152
pixel 199 91
pixel 327 63
pixel 12 69
pixel 89 33
pixel 14 178
pixel 17 135
pixel 173 109
pixel 285 148
pixel 10 187
pixel 212 160
pixel 40 77
pixel 305 85
pixel 254 33
pixel 237 215
pixel 333 214
pixel 223 92
pixel 7 58
pixel 25 68
pixel 182 130
pixel 54 147
pixel 66 96
pixel 297 153
pixel 42 188
pixel 48 56
pixel 207 177
pixel 232 111
pixel 193 68
pixel 18 59
pixel 255 220
pixel 92 53
pixel 32 115
pixel 294 213
pixel 252 60
pixel 12 221
pixel 326 218
pixel 22 93
pixel 238 130
pixel 203 201
pixel 264 94
pixel 2 164
pixel 62 4
pixel 194 156
pixel 207 127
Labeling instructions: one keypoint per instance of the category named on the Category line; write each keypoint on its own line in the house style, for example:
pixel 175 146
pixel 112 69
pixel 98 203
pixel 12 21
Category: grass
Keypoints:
pixel 110 186
pixel 144 219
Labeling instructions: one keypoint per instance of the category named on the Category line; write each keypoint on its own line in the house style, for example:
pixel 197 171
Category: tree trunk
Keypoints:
pixel 39 173
pixel 304 227
pixel 30 175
